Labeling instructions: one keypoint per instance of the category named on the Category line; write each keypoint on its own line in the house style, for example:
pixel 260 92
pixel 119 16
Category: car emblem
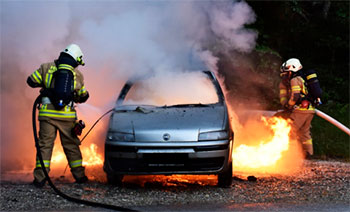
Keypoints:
pixel 166 137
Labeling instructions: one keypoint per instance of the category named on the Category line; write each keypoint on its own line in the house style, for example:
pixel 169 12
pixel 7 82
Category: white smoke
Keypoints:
pixel 227 22
pixel 120 40
pixel 173 88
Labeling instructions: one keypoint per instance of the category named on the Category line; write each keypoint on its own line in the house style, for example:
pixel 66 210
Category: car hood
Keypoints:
pixel 161 124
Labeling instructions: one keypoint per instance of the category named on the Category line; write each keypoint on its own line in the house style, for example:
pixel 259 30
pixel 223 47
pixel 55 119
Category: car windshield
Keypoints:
pixel 173 89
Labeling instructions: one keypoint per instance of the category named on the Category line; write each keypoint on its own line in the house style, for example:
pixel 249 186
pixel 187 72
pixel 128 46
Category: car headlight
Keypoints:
pixel 216 135
pixel 117 136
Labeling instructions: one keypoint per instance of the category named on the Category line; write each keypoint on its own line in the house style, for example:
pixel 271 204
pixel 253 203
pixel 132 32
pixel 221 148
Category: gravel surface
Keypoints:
pixel 321 183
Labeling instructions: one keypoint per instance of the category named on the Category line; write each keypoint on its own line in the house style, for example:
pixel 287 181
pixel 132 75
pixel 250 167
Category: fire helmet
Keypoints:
pixel 292 64
pixel 75 51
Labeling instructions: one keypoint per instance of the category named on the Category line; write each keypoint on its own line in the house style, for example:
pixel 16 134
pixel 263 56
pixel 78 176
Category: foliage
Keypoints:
pixel 329 141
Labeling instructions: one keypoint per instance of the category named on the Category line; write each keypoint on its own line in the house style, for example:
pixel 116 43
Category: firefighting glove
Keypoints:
pixel 78 128
pixel 80 99
pixel 75 97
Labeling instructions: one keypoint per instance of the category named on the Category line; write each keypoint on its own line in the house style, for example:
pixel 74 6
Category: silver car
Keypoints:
pixel 156 130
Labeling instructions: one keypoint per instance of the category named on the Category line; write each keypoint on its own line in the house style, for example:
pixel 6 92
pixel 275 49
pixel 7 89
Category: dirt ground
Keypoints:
pixel 321 185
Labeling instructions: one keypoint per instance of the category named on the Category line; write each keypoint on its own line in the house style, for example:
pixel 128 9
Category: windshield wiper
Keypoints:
pixel 186 105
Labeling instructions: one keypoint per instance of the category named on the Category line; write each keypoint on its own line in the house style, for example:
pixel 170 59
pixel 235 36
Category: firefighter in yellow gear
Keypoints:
pixel 63 117
pixel 293 93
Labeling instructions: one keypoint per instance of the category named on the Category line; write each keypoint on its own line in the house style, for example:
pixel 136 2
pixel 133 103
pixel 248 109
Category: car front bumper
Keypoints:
pixel 209 157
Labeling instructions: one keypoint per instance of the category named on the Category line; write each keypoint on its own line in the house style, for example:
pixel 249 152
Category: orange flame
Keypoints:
pixel 172 180
pixel 90 157
pixel 58 157
pixel 266 148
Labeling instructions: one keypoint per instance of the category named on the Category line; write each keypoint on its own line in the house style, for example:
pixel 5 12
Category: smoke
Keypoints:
pixel 227 22
pixel 190 88
pixel 120 40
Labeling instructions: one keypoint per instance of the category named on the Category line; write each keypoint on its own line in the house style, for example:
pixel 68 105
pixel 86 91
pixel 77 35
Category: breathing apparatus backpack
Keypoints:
pixel 62 91
pixel 313 86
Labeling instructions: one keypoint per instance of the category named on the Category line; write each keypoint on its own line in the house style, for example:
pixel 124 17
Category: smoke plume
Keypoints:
pixel 120 40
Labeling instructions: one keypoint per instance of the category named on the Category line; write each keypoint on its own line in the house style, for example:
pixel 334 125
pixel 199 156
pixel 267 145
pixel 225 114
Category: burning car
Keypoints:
pixel 173 124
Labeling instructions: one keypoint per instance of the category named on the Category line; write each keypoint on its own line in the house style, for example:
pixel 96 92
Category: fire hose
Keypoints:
pixel 332 121
pixel 65 196
pixel 90 131
pixel 320 114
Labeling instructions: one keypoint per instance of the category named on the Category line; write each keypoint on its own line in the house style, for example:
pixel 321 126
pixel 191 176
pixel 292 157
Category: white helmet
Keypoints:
pixel 292 64
pixel 75 51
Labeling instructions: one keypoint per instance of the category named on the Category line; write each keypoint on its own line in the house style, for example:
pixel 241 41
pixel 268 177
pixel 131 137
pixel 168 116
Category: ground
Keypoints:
pixel 320 186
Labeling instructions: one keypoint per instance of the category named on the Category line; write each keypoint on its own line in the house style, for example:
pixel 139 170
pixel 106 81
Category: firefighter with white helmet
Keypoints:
pixel 62 86
pixel 76 53
pixel 292 64
pixel 293 92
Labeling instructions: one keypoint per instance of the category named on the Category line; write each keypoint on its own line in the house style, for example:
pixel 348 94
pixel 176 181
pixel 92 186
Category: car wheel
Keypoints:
pixel 115 179
pixel 225 178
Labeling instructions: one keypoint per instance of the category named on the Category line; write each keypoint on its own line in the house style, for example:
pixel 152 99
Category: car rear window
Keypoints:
pixel 173 89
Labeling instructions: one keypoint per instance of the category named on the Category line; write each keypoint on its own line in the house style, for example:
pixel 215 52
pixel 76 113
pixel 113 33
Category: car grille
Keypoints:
pixel 112 148
pixel 166 163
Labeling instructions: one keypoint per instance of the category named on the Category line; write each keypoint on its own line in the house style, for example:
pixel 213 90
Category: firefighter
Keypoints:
pixel 60 115
pixel 293 93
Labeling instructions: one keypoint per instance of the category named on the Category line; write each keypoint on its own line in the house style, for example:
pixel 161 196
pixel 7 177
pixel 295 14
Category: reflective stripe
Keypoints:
pixel 46 163
pixel 67 107
pixel 74 79
pixel 305 109
pixel 296 88
pixel 82 90
pixel 55 113
pixel 37 76
pixel 283 99
pixel 304 89
pixel 76 163
pixel 283 91
pixel 65 66
pixel 61 66
pixel 49 76
pixel 308 142
pixel 48 80
pixel 311 76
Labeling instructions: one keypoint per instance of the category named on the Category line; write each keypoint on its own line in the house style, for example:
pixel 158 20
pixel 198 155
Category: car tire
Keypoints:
pixel 225 178
pixel 115 179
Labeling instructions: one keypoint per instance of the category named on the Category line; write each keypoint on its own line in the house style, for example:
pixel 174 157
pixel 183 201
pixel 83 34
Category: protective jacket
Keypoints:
pixel 293 93
pixel 52 119
pixel 43 77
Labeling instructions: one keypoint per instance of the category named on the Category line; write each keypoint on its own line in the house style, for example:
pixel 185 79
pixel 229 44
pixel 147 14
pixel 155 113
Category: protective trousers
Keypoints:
pixel 301 130
pixel 70 143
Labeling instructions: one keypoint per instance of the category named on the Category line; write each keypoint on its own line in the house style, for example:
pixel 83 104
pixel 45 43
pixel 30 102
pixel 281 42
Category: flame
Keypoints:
pixel 90 157
pixel 265 147
pixel 266 153
pixel 58 157
pixel 171 180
